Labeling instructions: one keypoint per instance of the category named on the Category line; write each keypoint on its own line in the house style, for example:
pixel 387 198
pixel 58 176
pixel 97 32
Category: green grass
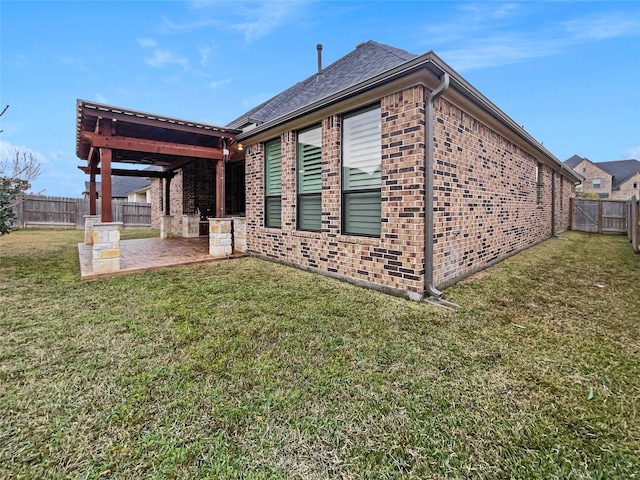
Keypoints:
pixel 249 369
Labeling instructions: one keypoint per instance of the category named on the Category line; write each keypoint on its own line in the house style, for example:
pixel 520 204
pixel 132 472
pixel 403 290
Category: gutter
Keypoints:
pixel 435 66
pixel 431 293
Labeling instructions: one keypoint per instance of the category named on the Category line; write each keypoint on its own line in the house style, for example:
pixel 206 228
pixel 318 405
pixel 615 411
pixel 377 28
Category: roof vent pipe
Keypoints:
pixel 319 48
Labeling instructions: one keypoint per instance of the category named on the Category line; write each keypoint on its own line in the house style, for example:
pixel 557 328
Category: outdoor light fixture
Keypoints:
pixel 240 147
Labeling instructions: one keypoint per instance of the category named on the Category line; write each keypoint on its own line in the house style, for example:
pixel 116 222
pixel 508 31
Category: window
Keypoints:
pixel 361 167
pixel 635 184
pixel 310 179
pixel 595 183
pixel 539 183
pixel 273 184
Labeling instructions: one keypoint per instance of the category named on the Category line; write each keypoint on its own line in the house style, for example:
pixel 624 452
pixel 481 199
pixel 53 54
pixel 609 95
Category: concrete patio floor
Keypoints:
pixel 151 254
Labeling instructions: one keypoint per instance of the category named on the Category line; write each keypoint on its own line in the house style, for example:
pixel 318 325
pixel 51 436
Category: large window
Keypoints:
pixel 361 166
pixel 273 184
pixel 595 183
pixel 310 179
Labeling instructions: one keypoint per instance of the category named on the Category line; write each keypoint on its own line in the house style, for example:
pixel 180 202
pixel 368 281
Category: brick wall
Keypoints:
pixel 199 187
pixel 486 195
pixel 193 187
pixel 396 259
pixel 485 200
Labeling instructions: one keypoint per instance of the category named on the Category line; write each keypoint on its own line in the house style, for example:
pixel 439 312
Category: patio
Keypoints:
pixel 146 254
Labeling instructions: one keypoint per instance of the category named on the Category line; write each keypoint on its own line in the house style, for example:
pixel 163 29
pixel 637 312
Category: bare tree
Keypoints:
pixel 16 176
pixel 23 166
pixel 2 113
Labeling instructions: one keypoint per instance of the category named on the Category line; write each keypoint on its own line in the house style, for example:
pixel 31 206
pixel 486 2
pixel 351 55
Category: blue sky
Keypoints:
pixel 569 72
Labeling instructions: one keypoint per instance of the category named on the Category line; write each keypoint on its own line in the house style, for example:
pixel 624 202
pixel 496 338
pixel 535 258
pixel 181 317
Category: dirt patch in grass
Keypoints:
pixel 248 369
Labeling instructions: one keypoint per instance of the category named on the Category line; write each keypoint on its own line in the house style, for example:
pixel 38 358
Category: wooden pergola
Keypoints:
pixel 106 134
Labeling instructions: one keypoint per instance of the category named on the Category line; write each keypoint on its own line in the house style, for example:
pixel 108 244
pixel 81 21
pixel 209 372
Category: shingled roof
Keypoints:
pixel 121 187
pixel 573 162
pixel 620 170
pixel 366 61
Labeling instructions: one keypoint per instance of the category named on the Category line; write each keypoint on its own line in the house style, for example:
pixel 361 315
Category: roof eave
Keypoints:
pixel 435 65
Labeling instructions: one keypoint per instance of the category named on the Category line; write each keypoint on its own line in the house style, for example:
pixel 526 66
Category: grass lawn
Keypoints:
pixel 249 369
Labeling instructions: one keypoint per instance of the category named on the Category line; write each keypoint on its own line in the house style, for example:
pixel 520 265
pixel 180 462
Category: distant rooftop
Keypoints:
pixel 620 170
pixel 122 186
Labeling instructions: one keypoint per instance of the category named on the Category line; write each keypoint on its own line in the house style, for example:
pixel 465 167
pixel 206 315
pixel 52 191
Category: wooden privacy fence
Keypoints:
pixel 599 216
pixel 39 211
pixel 633 229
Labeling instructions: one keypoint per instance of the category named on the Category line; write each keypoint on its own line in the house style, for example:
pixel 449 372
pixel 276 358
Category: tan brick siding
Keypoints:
pixel 591 172
pixel 485 200
pixel 485 193
pixel 396 259
pixel 625 190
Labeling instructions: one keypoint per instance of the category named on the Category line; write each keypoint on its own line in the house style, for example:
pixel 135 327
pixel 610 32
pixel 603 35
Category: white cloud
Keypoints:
pixel 163 57
pixel 8 152
pixel 100 98
pixel 219 83
pixel 67 60
pixel 632 152
pixel 262 18
pixel 58 175
pixel 487 35
pixel 187 26
pixel 205 52
pixel 147 42
pixel 253 19
pixel 599 27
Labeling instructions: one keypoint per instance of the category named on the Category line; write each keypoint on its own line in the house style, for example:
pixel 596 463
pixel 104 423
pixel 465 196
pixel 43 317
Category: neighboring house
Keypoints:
pixel 132 189
pixel 390 170
pixel 616 180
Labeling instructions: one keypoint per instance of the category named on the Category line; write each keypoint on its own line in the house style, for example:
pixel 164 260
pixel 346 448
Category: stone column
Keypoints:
pixel 190 226
pixel 220 242
pixel 89 222
pixel 166 226
pixel 240 234
pixel 106 247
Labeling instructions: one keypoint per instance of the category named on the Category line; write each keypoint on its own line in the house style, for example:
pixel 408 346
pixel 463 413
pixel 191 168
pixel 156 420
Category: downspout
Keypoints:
pixel 430 290
pixel 553 203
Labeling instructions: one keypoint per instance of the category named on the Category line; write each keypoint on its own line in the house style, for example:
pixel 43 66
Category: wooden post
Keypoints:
pixel 167 194
pixel 93 194
pixel 572 212
pixel 599 216
pixel 220 207
pixel 637 226
pixel 105 174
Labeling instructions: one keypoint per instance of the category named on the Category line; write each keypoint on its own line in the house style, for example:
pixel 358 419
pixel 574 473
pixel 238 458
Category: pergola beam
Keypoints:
pixel 171 124
pixel 151 146
pixel 120 172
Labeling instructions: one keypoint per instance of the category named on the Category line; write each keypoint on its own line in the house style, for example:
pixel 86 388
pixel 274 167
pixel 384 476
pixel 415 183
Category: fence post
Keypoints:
pixel 636 246
pixel 630 220
pixel 600 216
pixel 572 212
